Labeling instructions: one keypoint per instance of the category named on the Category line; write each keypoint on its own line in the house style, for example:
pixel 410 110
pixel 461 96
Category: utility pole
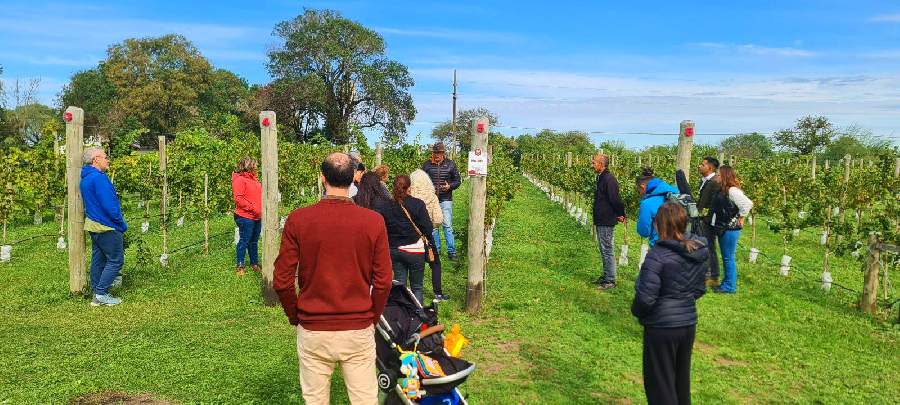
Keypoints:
pixel 453 119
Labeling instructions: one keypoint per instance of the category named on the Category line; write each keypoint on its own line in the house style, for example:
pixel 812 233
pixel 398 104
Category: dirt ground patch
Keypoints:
pixel 119 398
pixel 726 362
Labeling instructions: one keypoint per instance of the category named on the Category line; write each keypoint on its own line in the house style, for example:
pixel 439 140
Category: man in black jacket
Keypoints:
pixel 608 211
pixel 709 187
pixel 445 176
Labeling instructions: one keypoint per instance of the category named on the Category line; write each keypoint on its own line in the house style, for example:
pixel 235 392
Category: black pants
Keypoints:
pixel 667 364
pixel 710 235
pixel 436 274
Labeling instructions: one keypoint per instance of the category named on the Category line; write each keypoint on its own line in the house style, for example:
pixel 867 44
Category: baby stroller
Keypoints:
pixel 407 327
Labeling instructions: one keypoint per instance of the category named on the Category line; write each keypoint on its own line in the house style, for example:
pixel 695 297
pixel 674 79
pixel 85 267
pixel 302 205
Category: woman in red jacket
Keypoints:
pixel 247 193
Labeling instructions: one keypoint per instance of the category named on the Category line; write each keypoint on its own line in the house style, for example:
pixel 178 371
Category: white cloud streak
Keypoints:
pixel 886 18
pixel 759 50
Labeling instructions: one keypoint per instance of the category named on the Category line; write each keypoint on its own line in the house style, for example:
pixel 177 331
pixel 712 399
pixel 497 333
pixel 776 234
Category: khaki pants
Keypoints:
pixel 320 351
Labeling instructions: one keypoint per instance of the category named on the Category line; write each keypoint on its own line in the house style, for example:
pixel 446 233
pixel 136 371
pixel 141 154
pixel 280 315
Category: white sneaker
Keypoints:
pixel 105 300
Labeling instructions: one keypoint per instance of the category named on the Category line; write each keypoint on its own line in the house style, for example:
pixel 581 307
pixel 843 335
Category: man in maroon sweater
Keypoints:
pixel 338 254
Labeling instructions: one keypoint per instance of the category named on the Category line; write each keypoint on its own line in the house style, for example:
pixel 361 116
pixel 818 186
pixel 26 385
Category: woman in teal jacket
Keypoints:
pixel 653 195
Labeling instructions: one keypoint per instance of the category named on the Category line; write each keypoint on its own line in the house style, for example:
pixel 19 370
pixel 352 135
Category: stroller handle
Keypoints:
pixel 416 337
pixel 430 331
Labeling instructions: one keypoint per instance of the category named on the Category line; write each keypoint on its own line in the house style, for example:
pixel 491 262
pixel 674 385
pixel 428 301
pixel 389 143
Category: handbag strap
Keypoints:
pixel 415 227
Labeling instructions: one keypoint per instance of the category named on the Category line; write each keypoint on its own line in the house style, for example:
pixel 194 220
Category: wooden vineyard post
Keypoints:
pixel 74 118
pixel 269 149
pixel 813 168
pixel 897 167
pixel 206 213
pixel 732 160
pixel 478 195
pixel 568 160
pixel 721 157
pixel 379 149
pixel 685 145
pixel 869 302
pixel 164 200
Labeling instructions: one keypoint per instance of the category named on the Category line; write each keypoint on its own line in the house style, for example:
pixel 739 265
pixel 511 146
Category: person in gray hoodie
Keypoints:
pixel 670 282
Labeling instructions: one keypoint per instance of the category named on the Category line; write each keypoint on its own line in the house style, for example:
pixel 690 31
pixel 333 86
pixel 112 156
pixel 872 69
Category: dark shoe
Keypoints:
pixel 255 267
pixel 452 256
pixel 712 282
pixel 607 285
pixel 441 297
pixel 240 271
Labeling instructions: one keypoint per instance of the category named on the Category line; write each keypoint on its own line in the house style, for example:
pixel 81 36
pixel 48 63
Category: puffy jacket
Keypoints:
pixel 421 187
pixel 608 206
pixel 247 192
pixel 443 172
pixel 101 204
pixel 671 280
pixel 654 197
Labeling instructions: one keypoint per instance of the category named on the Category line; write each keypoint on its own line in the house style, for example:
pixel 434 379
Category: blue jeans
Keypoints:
pixel 249 239
pixel 107 258
pixel 728 245
pixel 409 269
pixel 447 226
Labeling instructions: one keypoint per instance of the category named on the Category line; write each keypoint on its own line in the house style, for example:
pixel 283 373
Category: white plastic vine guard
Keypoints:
pixel 754 254
pixel 623 255
pixel 281 223
pixel 823 239
pixel 140 204
pixel 237 235
pixel 303 192
pixel 5 253
pixel 836 211
pixel 61 243
pixel 750 220
pixel 801 214
pixel 489 239
pixel 180 222
pixel 145 226
pixel 855 254
pixel 644 249
pixel 826 280
pixel 164 260
pixel 38 219
pixel 796 232
pixel 785 265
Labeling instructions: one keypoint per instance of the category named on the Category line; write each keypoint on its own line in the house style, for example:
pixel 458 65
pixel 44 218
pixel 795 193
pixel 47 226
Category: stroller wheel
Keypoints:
pixel 387 380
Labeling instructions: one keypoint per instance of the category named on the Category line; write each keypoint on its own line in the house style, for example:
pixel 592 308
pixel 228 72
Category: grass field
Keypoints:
pixel 195 333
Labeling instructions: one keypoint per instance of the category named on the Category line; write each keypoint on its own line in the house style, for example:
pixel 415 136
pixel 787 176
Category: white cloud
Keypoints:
pixel 886 18
pixel 753 49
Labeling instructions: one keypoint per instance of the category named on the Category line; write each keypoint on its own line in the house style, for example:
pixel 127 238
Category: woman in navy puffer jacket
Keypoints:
pixel 670 281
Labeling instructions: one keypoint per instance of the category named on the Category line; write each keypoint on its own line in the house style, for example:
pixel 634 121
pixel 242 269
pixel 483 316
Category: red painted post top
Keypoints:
pixel 265 121
pixel 689 132
pixel 67 117
pixel 480 127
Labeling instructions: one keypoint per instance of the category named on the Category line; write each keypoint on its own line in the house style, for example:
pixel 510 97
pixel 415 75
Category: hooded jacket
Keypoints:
pixel 654 197
pixel 101 204
pixel 247 192
pixel 421 187
pixel 670 282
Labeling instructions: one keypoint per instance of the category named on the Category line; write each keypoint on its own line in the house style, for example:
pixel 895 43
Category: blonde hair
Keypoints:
pixel 246 164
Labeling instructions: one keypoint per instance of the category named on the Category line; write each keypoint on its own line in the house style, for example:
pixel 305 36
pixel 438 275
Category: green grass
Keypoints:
pixel 195 333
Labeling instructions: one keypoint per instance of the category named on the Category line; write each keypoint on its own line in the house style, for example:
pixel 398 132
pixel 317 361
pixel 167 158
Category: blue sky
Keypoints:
pixel 614 67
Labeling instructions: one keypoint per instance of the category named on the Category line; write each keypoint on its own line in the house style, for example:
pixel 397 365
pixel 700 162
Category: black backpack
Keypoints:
pixel 687 202
pixel 722 213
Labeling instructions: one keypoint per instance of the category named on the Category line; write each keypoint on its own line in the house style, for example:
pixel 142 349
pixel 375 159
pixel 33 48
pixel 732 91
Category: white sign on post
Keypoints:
pixel 478 162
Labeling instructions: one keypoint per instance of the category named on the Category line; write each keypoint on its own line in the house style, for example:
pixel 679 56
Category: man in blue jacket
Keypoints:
pixel 653 195
pixel 104 222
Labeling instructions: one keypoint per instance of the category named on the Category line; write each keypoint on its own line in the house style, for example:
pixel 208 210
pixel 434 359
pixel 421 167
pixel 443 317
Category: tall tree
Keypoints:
pixel 748 146
pixel 444 131
pixel 809 135
pixel 162 84
pixel 342 66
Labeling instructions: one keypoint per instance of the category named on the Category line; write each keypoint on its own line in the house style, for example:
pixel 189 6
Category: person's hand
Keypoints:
pixel 622 219
pixel 445 187
pixel 740 222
